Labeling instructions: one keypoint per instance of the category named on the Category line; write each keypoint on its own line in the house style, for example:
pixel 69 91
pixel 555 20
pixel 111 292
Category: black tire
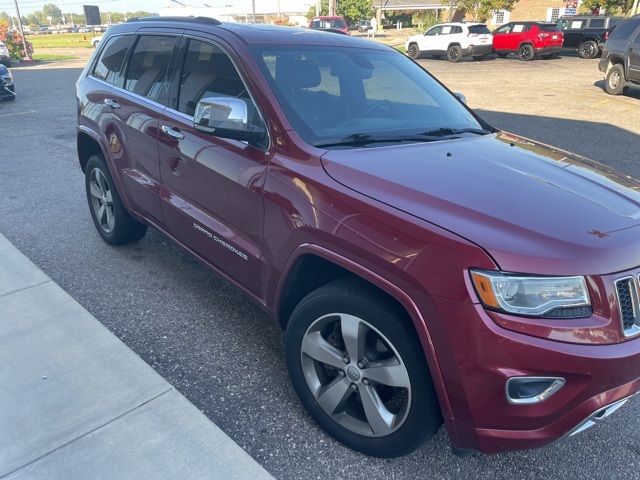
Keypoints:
pixel 588 49
pixel 615 80
pixel 347 296
pixel 526 52
pixel 413 51
pixel 125 228
pixel 454 53
pixel 502 54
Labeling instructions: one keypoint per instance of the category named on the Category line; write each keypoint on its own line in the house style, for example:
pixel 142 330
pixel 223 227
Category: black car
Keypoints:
pixel 621 57
pixel 587 33
pixel 7 89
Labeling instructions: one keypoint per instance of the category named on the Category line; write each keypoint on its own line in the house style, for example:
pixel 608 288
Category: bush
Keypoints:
pixel 424 19
pixel 12 40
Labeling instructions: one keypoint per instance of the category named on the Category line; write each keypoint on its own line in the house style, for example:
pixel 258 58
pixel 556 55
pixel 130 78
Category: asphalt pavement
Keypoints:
pixel 216 347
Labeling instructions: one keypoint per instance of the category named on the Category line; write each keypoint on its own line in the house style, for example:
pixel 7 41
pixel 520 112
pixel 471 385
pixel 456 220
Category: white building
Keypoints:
pixel 266 11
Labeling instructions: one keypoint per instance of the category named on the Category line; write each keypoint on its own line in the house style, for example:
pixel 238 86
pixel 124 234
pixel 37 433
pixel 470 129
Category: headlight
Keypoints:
pixel 7 78
pixel 548 297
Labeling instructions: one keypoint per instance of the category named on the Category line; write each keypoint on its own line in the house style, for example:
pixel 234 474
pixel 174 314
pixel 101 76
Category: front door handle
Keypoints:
pixel 172 132
pixel 109 102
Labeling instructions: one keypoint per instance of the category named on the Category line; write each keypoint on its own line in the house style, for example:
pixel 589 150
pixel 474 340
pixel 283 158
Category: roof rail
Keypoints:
pixel 190 19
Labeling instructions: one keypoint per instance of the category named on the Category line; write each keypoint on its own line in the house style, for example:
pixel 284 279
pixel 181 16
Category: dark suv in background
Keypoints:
pixel 426 267
pixel 587 33
pixel 621 57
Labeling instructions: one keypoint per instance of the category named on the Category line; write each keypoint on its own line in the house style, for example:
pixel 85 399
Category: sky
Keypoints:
pixel 153 6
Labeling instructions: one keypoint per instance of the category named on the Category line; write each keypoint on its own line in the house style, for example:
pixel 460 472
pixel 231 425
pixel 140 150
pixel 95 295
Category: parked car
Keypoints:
pixel 364 26
pixel 7 87
pixel 335 24
pixel 528 39
pixel 5 58
pixel 455 40
pixel 621 57
pixel 587 33
pixel 95 41
pixel 84 30
pixel 43 31
pixel 426 266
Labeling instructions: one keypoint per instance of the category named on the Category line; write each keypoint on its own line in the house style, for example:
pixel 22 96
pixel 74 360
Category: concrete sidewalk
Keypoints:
pixel 76 403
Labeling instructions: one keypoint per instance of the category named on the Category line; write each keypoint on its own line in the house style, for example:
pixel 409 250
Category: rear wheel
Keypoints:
pixel 357 366
pixel 615 81
pixel 454 53
pixel 113 222
pixel 588 49
pixel 526 52
pixel 413 51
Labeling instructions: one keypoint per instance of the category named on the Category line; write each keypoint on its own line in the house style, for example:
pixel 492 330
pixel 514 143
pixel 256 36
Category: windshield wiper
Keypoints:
pixel 446 131
pixel 366 139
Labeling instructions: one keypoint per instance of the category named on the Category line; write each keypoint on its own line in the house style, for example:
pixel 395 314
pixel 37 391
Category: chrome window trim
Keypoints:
pixel 134 95
pixel 635 329
pixel 556 384
pixel 191 36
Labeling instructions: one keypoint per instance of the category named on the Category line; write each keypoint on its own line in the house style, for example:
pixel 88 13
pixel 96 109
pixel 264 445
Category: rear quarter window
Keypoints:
pixel 110 63
pixel 597 23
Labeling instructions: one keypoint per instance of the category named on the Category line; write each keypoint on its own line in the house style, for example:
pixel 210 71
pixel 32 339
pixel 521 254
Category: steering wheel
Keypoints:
pixel 384 105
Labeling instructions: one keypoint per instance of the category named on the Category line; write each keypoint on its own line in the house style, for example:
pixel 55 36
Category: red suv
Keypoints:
pixel 528 39
pixel 332 24
pixel 425 266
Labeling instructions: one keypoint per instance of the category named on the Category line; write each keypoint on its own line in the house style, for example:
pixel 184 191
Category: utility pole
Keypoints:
pixel 634 9
pixel 27 54
pixel 317 8
pixel 332 7
pixel 253 9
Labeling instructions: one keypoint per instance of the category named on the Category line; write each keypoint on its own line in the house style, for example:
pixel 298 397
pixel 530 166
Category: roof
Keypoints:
pixel 259 33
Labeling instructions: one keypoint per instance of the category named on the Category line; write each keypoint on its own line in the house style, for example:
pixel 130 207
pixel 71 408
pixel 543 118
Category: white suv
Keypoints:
pixel 452 39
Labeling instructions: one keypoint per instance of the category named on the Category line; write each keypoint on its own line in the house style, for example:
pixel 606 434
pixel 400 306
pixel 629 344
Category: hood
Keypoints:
pixel 533 208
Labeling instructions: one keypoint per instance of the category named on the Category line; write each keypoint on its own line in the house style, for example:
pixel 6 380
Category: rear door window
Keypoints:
pixel 111 61
pixel 147 69
pixel 596 23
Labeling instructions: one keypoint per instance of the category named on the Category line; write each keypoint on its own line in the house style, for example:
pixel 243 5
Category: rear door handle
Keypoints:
pixel 109 102
pixel 172 132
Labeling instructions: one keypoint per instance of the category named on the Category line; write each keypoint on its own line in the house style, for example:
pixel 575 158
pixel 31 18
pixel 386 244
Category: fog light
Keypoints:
pixel 529 390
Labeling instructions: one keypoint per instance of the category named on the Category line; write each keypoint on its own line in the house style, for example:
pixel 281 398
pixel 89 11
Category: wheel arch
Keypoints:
pixel 87 145
pixel 454 44
pixel 328 265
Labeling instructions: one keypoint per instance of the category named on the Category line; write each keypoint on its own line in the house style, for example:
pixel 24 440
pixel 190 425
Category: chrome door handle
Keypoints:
pixel 172 132
pixel 109 102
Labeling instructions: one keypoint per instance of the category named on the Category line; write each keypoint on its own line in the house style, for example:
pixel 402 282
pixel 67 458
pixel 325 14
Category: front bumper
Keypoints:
pixel 478 356
pixel 6 61
pixel 7 91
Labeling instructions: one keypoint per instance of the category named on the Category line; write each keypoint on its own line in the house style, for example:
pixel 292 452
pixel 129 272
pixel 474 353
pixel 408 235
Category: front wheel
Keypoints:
pixel 413 51
pixel 526 52
pixel 588 49
pixel 454 53
pixel 113 222
pixel 615 81
pixel 355 362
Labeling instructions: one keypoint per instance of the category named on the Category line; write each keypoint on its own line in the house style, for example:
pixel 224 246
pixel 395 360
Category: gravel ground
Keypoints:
pixel 215 346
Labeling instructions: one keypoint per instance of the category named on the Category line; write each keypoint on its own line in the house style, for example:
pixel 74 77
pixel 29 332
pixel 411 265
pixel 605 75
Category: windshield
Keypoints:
pixel 330 23
pixel 330 93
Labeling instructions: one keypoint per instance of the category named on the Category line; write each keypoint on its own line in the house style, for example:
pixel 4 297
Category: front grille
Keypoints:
pixel 627 292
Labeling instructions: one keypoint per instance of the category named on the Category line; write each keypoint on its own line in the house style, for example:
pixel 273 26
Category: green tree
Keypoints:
pixel 324 9
pixel 610 6
pixel 481 10
pixel 355 10
pixel 51 10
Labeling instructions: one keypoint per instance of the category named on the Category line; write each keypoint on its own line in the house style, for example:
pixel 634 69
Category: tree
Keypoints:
pixel 610 6
pixel 12 40
pixel 351 10
pixel 51 10
pixel 481 10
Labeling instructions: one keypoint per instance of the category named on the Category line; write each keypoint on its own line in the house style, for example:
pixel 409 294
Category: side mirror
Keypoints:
pixel 227 117
pixel 460 97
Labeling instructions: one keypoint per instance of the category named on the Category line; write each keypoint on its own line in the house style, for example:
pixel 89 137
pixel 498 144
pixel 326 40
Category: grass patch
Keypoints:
pixel 62 40
pixel 51 57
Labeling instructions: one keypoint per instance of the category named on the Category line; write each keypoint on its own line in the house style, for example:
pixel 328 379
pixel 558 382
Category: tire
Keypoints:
pixel 454 53
pixel 526 52
pixel 319 320
pixel 588 49
pixel 118 227
pixel 413 51
pixel 502 54
pixel 615 80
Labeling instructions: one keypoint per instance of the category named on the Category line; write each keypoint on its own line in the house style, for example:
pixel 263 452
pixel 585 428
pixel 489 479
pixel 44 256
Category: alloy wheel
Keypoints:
pixel 525 52
pixel 102 200
pixel 356 375
pixel 614 80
